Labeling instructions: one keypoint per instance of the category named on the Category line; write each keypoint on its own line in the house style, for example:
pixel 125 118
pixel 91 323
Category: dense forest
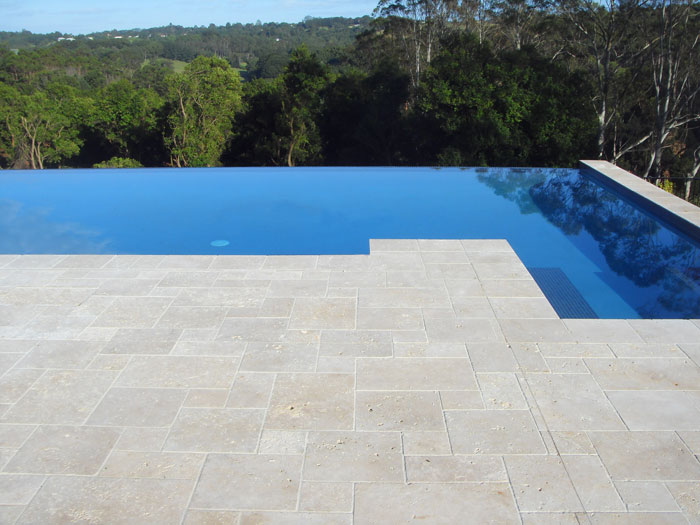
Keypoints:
pixel 421 82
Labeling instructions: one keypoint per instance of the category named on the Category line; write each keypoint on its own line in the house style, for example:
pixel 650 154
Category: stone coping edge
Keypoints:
pixel 677 212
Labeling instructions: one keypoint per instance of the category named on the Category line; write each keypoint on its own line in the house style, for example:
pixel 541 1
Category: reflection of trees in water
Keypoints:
pixel 27 230
pixel 633 244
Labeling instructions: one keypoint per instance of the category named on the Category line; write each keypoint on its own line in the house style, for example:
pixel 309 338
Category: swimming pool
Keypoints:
pixel 572 233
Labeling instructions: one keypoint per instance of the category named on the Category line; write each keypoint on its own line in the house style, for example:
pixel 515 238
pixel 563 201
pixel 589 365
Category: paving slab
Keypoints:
pixel 430 380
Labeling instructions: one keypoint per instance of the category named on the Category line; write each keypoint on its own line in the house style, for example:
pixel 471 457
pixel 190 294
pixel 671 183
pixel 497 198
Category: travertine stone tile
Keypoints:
pixel 356 343
pixel 47 296
pixel 602 331
pixel 142 439
pixel 592 484
pixel 464 288
pixel 454 469
pixel 462 330
pixel 403 298
pixel 536 330
pixel 493 432
pixel 282 442
pixel 280 357
pixel 265 329
pixel 529 358
pixel 637 518
pixel 290 262
pixel 573 402
pixel 335 365
pixel 511 288
pixel 522 308
pixel 13 436
pixel 7 361
pixel 60 354
pixel 578 350
pixel 445 257
pixel 179 372
pixel 311 402
pixel 492 357
pixel 211 517
pixel 188 279
pixel 646 496
pixel 687 496
pixel 138 407
pixel 54 327
pixel 440 245
pixel 84 261
pixel 658 409
pixel 541 484
pixel 157 465
pixel 357 279
pixel 18 489
pixel 246 482
pixel 178 262
pixel 666 330
pixel 295 518
pixel 566 365
pixel 645 374
pixel 276 307
pixel 250 390
pixel 407 411
pixel 412 279
pixel 215 430
pixel 206 398
pixel 388 261
pixel 246 262
pixel 692 351
pixel 409 336
pixel 64 450
pixel 10 513
pixel 15 383
pixel 343 262
pixel 645 456
pixel 126 287
pixel 96 334
pixel 572 442
pixel 393 245
pixel 118 501
pixel 436 503
pixel 221 297
pixel 426 444
pixel 12 346
pixel 142 341
pixel 500 270
pixel 353 456
pixel 61 397
pixel 133 312
pixel 551 518
pixel 389 319
pixel 415 374
pixel 326 497
pixel 210 348
pixel 296 288
pixel 461 399
pixel 274 275
pixel 180 317
pixel 429 350
pixel 501 392
pixel 645 350
pixel 692 440
pixel 472 307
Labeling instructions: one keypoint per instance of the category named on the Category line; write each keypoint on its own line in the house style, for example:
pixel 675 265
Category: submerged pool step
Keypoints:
pixel 566 300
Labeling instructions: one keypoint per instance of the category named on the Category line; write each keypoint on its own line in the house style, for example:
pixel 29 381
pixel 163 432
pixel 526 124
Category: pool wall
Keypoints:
pixel 678 213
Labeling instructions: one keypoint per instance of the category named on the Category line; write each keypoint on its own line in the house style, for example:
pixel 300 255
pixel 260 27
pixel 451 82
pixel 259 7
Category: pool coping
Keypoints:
pixel 677 212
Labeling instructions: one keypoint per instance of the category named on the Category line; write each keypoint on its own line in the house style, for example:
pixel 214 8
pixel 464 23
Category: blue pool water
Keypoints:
pixel 620 262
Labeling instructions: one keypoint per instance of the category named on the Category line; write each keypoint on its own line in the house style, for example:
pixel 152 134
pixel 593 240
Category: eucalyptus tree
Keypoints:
pixel 203 102
pixel 671 32
pixel 419 26
pixel 603 40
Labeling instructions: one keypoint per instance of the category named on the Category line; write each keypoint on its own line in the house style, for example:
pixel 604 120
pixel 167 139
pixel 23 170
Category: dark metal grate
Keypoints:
pixel 566 300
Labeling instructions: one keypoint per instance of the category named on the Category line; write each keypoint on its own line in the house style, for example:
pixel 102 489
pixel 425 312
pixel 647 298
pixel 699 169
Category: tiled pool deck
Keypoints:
pixel 428 382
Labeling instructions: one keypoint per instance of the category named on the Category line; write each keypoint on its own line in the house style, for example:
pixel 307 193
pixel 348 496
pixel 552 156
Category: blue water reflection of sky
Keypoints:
pixel 621 260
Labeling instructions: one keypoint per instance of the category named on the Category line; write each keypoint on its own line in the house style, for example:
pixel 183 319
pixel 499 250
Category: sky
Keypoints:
pixel 85 16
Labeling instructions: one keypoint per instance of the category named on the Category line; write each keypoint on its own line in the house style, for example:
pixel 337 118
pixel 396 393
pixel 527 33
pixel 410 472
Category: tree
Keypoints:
pixel 302 84
pixel 672 35
pixel 203 102
pixel 45 126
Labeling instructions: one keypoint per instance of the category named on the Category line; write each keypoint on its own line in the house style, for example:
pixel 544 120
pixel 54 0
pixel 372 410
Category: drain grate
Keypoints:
pixel 566 300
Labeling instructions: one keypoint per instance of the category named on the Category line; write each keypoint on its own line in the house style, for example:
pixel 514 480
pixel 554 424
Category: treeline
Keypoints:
pixel 427 82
